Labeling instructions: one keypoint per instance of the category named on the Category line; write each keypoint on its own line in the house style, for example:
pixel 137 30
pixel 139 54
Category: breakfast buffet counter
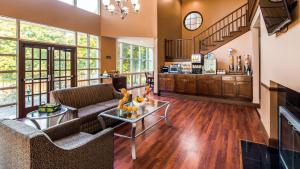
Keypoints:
pixel 227 86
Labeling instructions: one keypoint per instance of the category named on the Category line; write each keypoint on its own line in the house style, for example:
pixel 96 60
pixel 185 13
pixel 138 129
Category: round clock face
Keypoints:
pixel 193 21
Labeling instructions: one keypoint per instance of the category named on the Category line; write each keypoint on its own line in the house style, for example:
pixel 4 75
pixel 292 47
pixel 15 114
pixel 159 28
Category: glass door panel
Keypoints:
pixel 62 68
pixel 43 68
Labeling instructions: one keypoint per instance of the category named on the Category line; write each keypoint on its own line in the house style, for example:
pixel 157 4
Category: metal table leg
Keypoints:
pixel 36 124
pixel 133 149
pixel 167 121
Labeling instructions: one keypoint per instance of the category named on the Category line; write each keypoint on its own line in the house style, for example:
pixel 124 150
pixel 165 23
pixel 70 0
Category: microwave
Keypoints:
pixel 176 68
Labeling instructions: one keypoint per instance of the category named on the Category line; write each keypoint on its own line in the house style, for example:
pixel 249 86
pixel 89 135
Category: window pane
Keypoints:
pixel 81 52
pixel 8 80
pixel 94 41
pixel 94 74
pixel 8 27
pixel 89 5
pixel 126 66
pixel 8 47
pixel 136 80
pixel 70 2
pixel 94 64
pixel 82 64
pixel 8 96
pixel 135 66
pixel 83 83
pixel 81 39
pixel 144 65
pixel 126 51
pixel 42 33
pixel 143 53
pixel 135 52
pixel 8 63
pixel 94 53
pixel 82 74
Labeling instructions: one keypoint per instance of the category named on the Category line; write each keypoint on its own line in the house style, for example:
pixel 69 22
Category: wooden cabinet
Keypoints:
pixel 237 87
pixel 166 82
pixel 229 86
pixel 209 85
pixel 185 84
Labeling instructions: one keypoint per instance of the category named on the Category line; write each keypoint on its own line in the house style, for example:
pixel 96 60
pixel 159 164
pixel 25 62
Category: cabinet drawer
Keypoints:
pixel 228 78
pixel 162 75
pixel 244 78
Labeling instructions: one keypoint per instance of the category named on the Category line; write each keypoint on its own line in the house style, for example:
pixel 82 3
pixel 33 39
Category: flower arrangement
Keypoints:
pixel 124 100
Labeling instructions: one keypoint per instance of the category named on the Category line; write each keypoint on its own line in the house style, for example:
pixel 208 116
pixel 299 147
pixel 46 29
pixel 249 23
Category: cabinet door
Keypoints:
pixel 228 89
pixel 162 84
pixel 180 85
pixel 190 87
pixel 244 90
pixel 215 87
pixel 169 84
pixel 202 87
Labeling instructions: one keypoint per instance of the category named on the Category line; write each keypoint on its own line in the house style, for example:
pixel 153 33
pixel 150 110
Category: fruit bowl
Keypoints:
pixel 139 104
pixel 139 101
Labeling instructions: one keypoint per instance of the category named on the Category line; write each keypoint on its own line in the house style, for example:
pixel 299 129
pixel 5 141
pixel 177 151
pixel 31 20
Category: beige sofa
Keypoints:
pixel 59 147
pixel 88 102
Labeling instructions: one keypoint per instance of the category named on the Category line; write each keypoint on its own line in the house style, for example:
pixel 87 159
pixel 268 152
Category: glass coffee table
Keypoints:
pixel 36 115
pixel 133 118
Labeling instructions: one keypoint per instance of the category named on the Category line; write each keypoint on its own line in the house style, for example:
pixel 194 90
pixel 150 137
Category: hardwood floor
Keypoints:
pixel 204 135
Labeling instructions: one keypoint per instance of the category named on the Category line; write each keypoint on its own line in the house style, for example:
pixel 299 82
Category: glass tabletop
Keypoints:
pixel 42 115
pixel 142 112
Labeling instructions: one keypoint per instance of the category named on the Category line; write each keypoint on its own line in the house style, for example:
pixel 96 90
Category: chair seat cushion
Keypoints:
pixel 73 141
pixel 110 104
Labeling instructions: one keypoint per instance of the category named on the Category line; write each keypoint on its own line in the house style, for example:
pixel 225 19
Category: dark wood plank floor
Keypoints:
pixel 204 135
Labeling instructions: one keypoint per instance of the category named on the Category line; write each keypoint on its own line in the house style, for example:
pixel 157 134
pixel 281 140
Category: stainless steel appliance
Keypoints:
pixel 175 68
pixel 197 63
pixel 165 69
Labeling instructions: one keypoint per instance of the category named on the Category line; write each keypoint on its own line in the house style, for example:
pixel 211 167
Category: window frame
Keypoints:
pixel 132 73
pixel 75 4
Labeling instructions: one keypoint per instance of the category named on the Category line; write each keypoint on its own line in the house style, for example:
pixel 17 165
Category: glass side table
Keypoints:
pixel 36 115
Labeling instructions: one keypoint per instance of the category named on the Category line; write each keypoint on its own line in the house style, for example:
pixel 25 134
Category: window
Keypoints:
pixel 193 21
pixel 70 2
pixel 88 67
pixel 133 61
pixel 8 67
pixel 88 5
pixel 88 56
pixel 43 33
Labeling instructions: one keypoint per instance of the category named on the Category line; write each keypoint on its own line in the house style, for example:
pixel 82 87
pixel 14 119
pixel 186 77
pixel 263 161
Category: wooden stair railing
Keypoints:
pixel 223 31
pixel 178 50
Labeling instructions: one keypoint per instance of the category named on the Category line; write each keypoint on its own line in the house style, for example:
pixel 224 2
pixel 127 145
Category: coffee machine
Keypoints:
pixel 197 63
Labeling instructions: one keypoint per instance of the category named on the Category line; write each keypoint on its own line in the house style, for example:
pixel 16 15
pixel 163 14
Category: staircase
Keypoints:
pixel 223 31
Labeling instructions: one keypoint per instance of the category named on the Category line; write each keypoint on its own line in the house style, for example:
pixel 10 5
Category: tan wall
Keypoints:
pixel 168 24
pixel 211 10
pixel 279 63
pixel 140 25
pixel 168 27
pixel 280 56
pixel 108 48
pixel 53 13
pixel 242 46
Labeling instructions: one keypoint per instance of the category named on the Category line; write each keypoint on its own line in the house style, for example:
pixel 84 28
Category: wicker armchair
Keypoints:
pixel 59 147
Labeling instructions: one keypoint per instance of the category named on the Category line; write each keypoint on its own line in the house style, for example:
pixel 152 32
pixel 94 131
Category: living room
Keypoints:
pixel 149 84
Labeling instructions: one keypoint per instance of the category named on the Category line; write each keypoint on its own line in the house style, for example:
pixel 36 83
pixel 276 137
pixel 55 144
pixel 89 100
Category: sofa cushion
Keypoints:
pixel 73 141
pixel 110 104
pixel 79 97
pixel 91 112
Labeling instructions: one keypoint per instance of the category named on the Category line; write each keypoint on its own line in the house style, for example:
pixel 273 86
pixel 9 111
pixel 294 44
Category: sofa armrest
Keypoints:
pixel 64 129
pixel 72 110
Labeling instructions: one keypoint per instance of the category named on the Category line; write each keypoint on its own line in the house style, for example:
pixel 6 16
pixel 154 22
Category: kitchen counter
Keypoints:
pixel 229 86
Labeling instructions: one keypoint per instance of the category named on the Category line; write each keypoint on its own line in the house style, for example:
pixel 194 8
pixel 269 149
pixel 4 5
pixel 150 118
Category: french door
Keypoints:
pixel 43 68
